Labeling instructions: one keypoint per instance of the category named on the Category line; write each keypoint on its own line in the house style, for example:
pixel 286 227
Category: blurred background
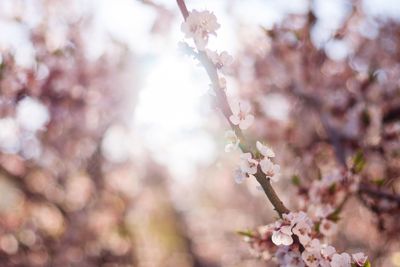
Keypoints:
pixel 112 152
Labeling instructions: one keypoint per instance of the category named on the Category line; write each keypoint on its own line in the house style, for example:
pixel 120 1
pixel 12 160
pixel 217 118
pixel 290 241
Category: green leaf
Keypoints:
pixel 317 226
pixel 246 233
pixel 334 216
pixel 296 180
pixel 367 264
pixel 379 181
pixel 358 162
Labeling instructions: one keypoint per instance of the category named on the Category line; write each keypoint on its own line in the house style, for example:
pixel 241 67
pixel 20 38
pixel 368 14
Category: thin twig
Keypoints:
pixel 374 193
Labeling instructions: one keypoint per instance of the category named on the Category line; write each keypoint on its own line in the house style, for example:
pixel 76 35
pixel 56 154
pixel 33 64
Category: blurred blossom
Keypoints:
pixel 78 191
pixel 275 106
pixel 31 114
pixel 11 197
pixel 9 135
pixel 9 244
pixel 117 144
pixel 337 50
pixel 48 219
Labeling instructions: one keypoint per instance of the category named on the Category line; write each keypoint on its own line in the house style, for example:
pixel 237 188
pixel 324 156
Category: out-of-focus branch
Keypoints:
pixel 392 114
pixel 374 193
pixel 226 110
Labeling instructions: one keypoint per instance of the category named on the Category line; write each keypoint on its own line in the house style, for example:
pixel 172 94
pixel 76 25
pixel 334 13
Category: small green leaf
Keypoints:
pixel 358 162
pixel 296 180
pixel 379 181
pixel 246 233
pixel 316 226
pixel 334 216
pixel 367 264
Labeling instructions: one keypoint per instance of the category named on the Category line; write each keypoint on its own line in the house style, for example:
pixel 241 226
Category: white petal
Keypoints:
pixel 279 238
pixel 246 156
pixel 328 251
pixel 235 107
pixel 239 176
pixel 229 147
pixel 359 258
pixel 245 107
pixel 244 124
pixel 234 119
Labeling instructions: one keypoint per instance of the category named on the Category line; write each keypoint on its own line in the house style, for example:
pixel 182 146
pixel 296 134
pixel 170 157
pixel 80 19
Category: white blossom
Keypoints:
pixel 327 252
pixel 319 211
pixel 240 176
pixel 282 235
pixel 32 114
pixel 222 61
pixel 264 150
pixel 328 228
pixel 292 259
pixel 311 258
pixel 270 169
pixel 248 164
pixel 296 217
pixel 359 258
pixel 326 255
pixel 240 115
pixel 232 141
pixel 199 25
pixel 302 230
pixel 313 246
pixel 341 260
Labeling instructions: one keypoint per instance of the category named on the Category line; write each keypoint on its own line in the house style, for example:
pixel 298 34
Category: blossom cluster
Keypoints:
pixel 294 241
pixel 248 165
pixel 199 25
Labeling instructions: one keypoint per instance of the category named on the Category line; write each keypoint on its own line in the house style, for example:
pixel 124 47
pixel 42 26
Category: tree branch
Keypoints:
pixel 227 112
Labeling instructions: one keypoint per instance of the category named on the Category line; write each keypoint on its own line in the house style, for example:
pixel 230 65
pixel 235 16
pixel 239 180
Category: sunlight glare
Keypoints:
pixel 170 115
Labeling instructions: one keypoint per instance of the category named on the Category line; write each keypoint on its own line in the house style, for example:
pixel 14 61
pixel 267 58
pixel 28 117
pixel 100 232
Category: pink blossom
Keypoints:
pixel 341 260
pixel 282 235
pixel 359 258
pixel 222 61
pixel 248 164
pixel 264 150
pixel 241 115
pixel 328 228
pixel 270 169
pixel 199 25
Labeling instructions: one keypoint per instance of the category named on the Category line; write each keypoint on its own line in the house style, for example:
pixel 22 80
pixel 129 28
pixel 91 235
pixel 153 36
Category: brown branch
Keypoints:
pixel 227 112
pixel 374 193
pixel 183 8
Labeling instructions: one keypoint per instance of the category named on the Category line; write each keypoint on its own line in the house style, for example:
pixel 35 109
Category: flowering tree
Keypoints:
pixel 296 238
pixel 311 126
